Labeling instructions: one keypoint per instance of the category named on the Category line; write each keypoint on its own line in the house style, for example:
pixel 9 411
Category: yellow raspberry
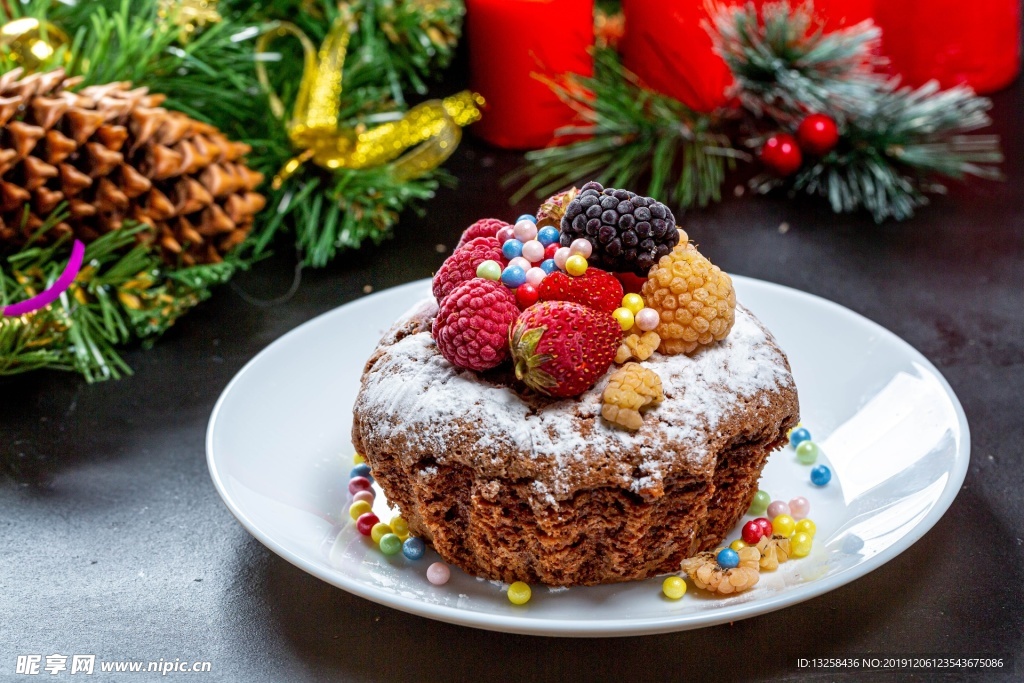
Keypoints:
pixel 630 388
pixel 774 551
pixel 637 347
pixel 706 573
pixel 695 299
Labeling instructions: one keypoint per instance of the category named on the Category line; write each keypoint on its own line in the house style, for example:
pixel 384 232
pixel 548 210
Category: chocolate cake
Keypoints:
pixel 511 485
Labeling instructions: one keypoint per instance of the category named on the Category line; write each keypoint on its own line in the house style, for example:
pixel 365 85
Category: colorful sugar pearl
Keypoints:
pixel 527 217
pixel 390 544
pixel 361 470
pixel 525 230
pixel 511 249
pixel 576 265
pixel 766 526
pixel 799 507
pixel 505 234
pixel 738 545
pixel 778 507
pixel 561 256
pixel 513 276
pixel 548 265
pixel 673 587
pixel 526 293
pixel 759 504
pixel 438 573
pixel 548 235
pixel 853 544
pixel 807 452
pixel 533 251
pixel 582 247
pixel 366 522
pixel 400 527
pixel 413 548
pixel 489 270
pixel 356 484
pixel 358 459
pixel 535 276
pixel 378 530
pixel 519 593
pixel 360 507
pixel 521 262
pixel 549 251
pixel 806 526
pixel 784 525
pixel 647 319
pixel 798 435
pixel 624 317
pixel 753 531
pixel 728 558
pixel 367 495
pixel 634 302
pixel 800 545
pixel 821 475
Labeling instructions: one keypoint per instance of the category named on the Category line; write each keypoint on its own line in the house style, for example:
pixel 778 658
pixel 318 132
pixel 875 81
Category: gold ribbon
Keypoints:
pixel 413 142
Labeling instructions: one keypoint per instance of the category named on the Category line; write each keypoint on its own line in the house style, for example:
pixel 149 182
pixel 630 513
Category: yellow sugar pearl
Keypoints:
pixel 378 530
pixel 673 587
pixel 576 265
pixel 783 525
pixel 400 527
pixel 634 302
pixel 358 459
pixel 519 593
pixel 360 507
pixel 800 544
pixel 807 526
pixel 624 317
pixel 738 545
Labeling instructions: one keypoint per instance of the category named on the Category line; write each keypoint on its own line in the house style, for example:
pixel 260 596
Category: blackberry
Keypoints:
pixel 629 233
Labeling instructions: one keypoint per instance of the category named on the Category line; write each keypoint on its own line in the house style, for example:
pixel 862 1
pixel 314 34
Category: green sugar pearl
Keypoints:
pixel 489 270
pixel 759 504
pixel 807 452
pixel 390 544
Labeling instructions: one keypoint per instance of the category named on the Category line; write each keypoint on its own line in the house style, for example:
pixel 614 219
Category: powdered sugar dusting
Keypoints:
pixel 412 393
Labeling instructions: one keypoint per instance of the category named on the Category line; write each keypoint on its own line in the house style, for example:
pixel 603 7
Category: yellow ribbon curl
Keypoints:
pixel 432 129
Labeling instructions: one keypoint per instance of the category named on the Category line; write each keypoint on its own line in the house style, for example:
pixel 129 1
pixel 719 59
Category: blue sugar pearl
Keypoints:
pixel 527 217
pixel 361 470
pixel 548 235
pixel 513 276
pixel 728 558
pixel 549 266
pixel 413 548
pixel 798 436
pixel 821 475
pixel 853 544
pixel 511 249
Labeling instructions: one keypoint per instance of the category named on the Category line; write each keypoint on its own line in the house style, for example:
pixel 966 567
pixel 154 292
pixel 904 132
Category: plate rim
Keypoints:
pixel 603 627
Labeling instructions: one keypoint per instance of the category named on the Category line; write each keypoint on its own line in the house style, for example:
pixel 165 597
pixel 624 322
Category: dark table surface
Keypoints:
pixel 114 542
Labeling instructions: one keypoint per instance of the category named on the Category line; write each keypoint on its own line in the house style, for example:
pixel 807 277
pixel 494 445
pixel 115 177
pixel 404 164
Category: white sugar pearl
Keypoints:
pixel 533 251
pixel 521 262
pixel 561 256
pixel 582 247
pixel 535 276
pixel 525 231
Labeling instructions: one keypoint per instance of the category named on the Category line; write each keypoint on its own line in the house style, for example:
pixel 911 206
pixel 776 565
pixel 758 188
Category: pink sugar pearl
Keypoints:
pixel 561 256
pixel 505 234
pixel 521 262
pixel 776 508
pixel 366 495
pixel 647 319
pixel 535 276
pixel 533 251
pixel 438 573
pixel 525 231
pixel 799 508
pixel 582 247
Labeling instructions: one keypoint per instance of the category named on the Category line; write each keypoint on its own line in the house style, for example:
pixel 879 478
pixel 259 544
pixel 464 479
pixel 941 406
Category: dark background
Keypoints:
pixel 113 541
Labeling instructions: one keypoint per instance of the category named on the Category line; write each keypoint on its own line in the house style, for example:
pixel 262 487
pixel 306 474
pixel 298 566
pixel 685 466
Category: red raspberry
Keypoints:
pixel 471 328
pixel 485 227
pixel 462 264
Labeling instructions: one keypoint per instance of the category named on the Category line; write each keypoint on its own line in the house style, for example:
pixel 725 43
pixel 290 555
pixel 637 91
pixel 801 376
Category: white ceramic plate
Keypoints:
pixel 891 429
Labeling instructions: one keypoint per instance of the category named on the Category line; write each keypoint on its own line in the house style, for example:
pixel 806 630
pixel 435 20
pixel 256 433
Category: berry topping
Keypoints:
pixel 561 348
pixel 637 347
pixel 627 232
pixel 553 208
pixel 463 263
pixel 485 227
pixel 471 328
pixel 774 551
pixel 695 300
pixel 630 389
pixel 595 289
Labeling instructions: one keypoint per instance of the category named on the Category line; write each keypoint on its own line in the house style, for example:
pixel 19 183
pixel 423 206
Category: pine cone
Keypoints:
pixel 113 154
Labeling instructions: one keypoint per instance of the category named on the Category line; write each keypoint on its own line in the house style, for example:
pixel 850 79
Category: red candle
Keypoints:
pixel 667 47
pixel 953 41
pixel 509 42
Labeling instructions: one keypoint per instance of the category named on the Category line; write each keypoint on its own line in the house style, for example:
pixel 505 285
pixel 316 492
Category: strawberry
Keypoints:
pixel 596 288
pixel 561 348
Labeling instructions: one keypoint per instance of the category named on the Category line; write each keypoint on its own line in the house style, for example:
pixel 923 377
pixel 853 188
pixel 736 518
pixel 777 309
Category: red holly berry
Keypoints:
pixel 781 154
pixel 753 531
pixel 526 295
pixel 818 134
pixel 596 288
pixel 485 227
pixel 472 326
pixel 561 348
pixel 463 262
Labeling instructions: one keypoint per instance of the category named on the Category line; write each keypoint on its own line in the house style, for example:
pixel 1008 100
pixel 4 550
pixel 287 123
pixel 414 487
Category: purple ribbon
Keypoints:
pixel 48 296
